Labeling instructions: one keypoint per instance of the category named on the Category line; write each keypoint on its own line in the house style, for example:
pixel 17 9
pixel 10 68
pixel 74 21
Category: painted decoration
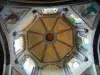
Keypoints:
pixel 12 15
pixel 90 11
pixel 87 12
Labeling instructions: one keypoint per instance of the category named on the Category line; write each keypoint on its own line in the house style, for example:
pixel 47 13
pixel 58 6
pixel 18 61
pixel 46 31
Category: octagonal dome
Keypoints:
pixel 50 38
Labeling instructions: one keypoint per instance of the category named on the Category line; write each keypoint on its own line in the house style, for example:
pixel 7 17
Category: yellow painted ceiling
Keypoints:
pixel 50 38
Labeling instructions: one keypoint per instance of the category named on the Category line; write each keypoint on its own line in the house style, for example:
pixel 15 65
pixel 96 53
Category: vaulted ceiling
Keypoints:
pixel 50 38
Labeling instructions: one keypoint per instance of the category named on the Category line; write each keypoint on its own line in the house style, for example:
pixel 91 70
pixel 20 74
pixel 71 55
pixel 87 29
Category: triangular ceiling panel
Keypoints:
pixel 50 54
pixel 37 27
pixel 49 22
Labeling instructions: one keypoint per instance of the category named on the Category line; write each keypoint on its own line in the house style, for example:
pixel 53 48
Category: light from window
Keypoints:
pixel 18 44
pixel 85 40
pixel 75 65
pixel 49 10
pixel 28 66
pixel 78 20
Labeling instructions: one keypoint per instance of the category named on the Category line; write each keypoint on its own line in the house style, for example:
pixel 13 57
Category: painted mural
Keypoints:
pixel 12 15
pixel 88 12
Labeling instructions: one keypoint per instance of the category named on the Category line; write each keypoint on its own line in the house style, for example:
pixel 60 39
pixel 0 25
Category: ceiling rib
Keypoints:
pixel 55 23
pixel 43 24
pixel 56 51
pixel 35 33
pixel 63 31
pixel 65 43
pixel 44 53
pixel 35 45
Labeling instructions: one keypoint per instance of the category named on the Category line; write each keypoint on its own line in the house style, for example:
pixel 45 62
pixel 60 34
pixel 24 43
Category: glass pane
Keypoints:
pixel 28 66
pixel 18 45
pixel 75 65
pixel 85 40
pixel 49 10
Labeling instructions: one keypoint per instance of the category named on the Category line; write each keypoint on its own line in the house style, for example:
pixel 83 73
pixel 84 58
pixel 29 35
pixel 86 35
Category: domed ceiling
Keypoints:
pixel 50 38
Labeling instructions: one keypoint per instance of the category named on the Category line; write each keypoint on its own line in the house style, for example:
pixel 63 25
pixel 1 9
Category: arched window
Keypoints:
pixel 19 44
pixel 85 43
pixel 28 65
pixel 51 70
pixel 49 10
pixel 73 64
